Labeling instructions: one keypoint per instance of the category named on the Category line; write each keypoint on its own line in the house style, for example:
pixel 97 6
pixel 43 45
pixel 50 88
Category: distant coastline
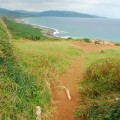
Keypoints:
pixel 53 33
pixel 49 32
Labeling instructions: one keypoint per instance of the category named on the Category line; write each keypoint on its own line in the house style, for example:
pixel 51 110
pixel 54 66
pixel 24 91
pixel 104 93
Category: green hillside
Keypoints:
pixel 30 63
pixel 20 93
pixel 26 68
pixel 100 87
pixel 25 31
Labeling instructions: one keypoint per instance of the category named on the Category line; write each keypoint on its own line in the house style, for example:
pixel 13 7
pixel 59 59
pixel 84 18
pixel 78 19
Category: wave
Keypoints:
pixel 56 32
pixel 64 32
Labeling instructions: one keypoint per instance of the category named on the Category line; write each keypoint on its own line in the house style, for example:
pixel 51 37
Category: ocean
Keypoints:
pixel 96 28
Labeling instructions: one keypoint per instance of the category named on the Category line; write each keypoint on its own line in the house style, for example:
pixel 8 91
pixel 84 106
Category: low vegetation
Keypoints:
pixel 48 55
pixel 25 31
pixel 117 44
pixel 97 56
pixel 26 68
pixel 86 40
pixel 20 93
pixel 99 89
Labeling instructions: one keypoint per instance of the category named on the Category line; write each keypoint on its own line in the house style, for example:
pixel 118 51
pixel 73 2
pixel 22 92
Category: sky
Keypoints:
pixel 105 8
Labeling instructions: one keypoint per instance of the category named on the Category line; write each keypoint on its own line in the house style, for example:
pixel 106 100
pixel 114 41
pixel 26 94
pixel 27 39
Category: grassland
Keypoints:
pixel 58 54
pixel 99 89
pixel 25 69
pixel 27 66
pixel 46 61
pixel 19 91
pixel 19 30
pixel 92 57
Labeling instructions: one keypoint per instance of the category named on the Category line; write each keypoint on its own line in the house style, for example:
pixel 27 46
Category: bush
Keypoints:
pixel 113 112
pixel 86 40
pixel 99 89
pixel 106 74
pixel 117 44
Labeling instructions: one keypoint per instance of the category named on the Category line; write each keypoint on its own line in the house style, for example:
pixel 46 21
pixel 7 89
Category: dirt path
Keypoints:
pixel 64 110
pixel 64 106
pixel 90 47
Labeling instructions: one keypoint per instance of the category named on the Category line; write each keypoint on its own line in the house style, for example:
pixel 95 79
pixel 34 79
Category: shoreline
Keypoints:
pixel 52 33
pixel 49 32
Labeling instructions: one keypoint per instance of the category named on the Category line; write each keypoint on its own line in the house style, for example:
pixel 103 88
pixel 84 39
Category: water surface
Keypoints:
pixel 101 28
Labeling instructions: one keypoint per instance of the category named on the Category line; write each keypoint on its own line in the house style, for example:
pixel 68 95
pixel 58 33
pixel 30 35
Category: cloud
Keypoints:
pixel 107 8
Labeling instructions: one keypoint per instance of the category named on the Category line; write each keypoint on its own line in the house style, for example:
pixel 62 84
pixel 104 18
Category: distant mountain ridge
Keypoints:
pixel 11 13
pixel 51 13
pixel 65 14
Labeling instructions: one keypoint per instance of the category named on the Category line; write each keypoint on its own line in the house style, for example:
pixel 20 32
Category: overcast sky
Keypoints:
pixel 107 8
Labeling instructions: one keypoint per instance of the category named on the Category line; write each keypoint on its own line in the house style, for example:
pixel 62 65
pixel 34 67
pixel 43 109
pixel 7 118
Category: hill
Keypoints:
pixel 10 13
pixel 66 14
pixel 52 13
pixel 26 68
pixel 19 90
pixel 30 70
pixel 25 31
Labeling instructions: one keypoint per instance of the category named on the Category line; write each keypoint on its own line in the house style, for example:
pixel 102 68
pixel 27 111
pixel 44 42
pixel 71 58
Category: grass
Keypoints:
pixel 97 56
pixel 99 88
pixel 86 40
pixel 117 44
pixel 57 54
pixel 25 68
pixel 19 30
pixel 19 90
pixel 46 60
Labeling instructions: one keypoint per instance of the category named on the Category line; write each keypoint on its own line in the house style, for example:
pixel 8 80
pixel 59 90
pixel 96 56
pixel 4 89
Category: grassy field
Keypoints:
pixel 19 30
pixel 97 56
pixel 27 66
pixel 18 89
pixel 47 56
pixel 46 60
pixel 99 89
pixel 25 69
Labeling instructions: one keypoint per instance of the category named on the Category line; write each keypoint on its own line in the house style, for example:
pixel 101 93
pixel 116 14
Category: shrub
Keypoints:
pixel 117 44
pixel 106 74
pixel 99 89
pixel 113 112
pixel 86 40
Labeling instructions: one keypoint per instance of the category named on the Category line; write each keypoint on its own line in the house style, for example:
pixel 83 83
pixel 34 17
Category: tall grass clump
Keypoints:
pixel 86 40
pixel 117 44
pixel 100 91
pixel 20 93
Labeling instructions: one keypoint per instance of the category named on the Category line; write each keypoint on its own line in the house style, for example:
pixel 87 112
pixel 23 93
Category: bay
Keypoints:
pixel 96 28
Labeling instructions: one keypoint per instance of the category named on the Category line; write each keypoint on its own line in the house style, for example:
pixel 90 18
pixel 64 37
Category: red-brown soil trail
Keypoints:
pixel 64 106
